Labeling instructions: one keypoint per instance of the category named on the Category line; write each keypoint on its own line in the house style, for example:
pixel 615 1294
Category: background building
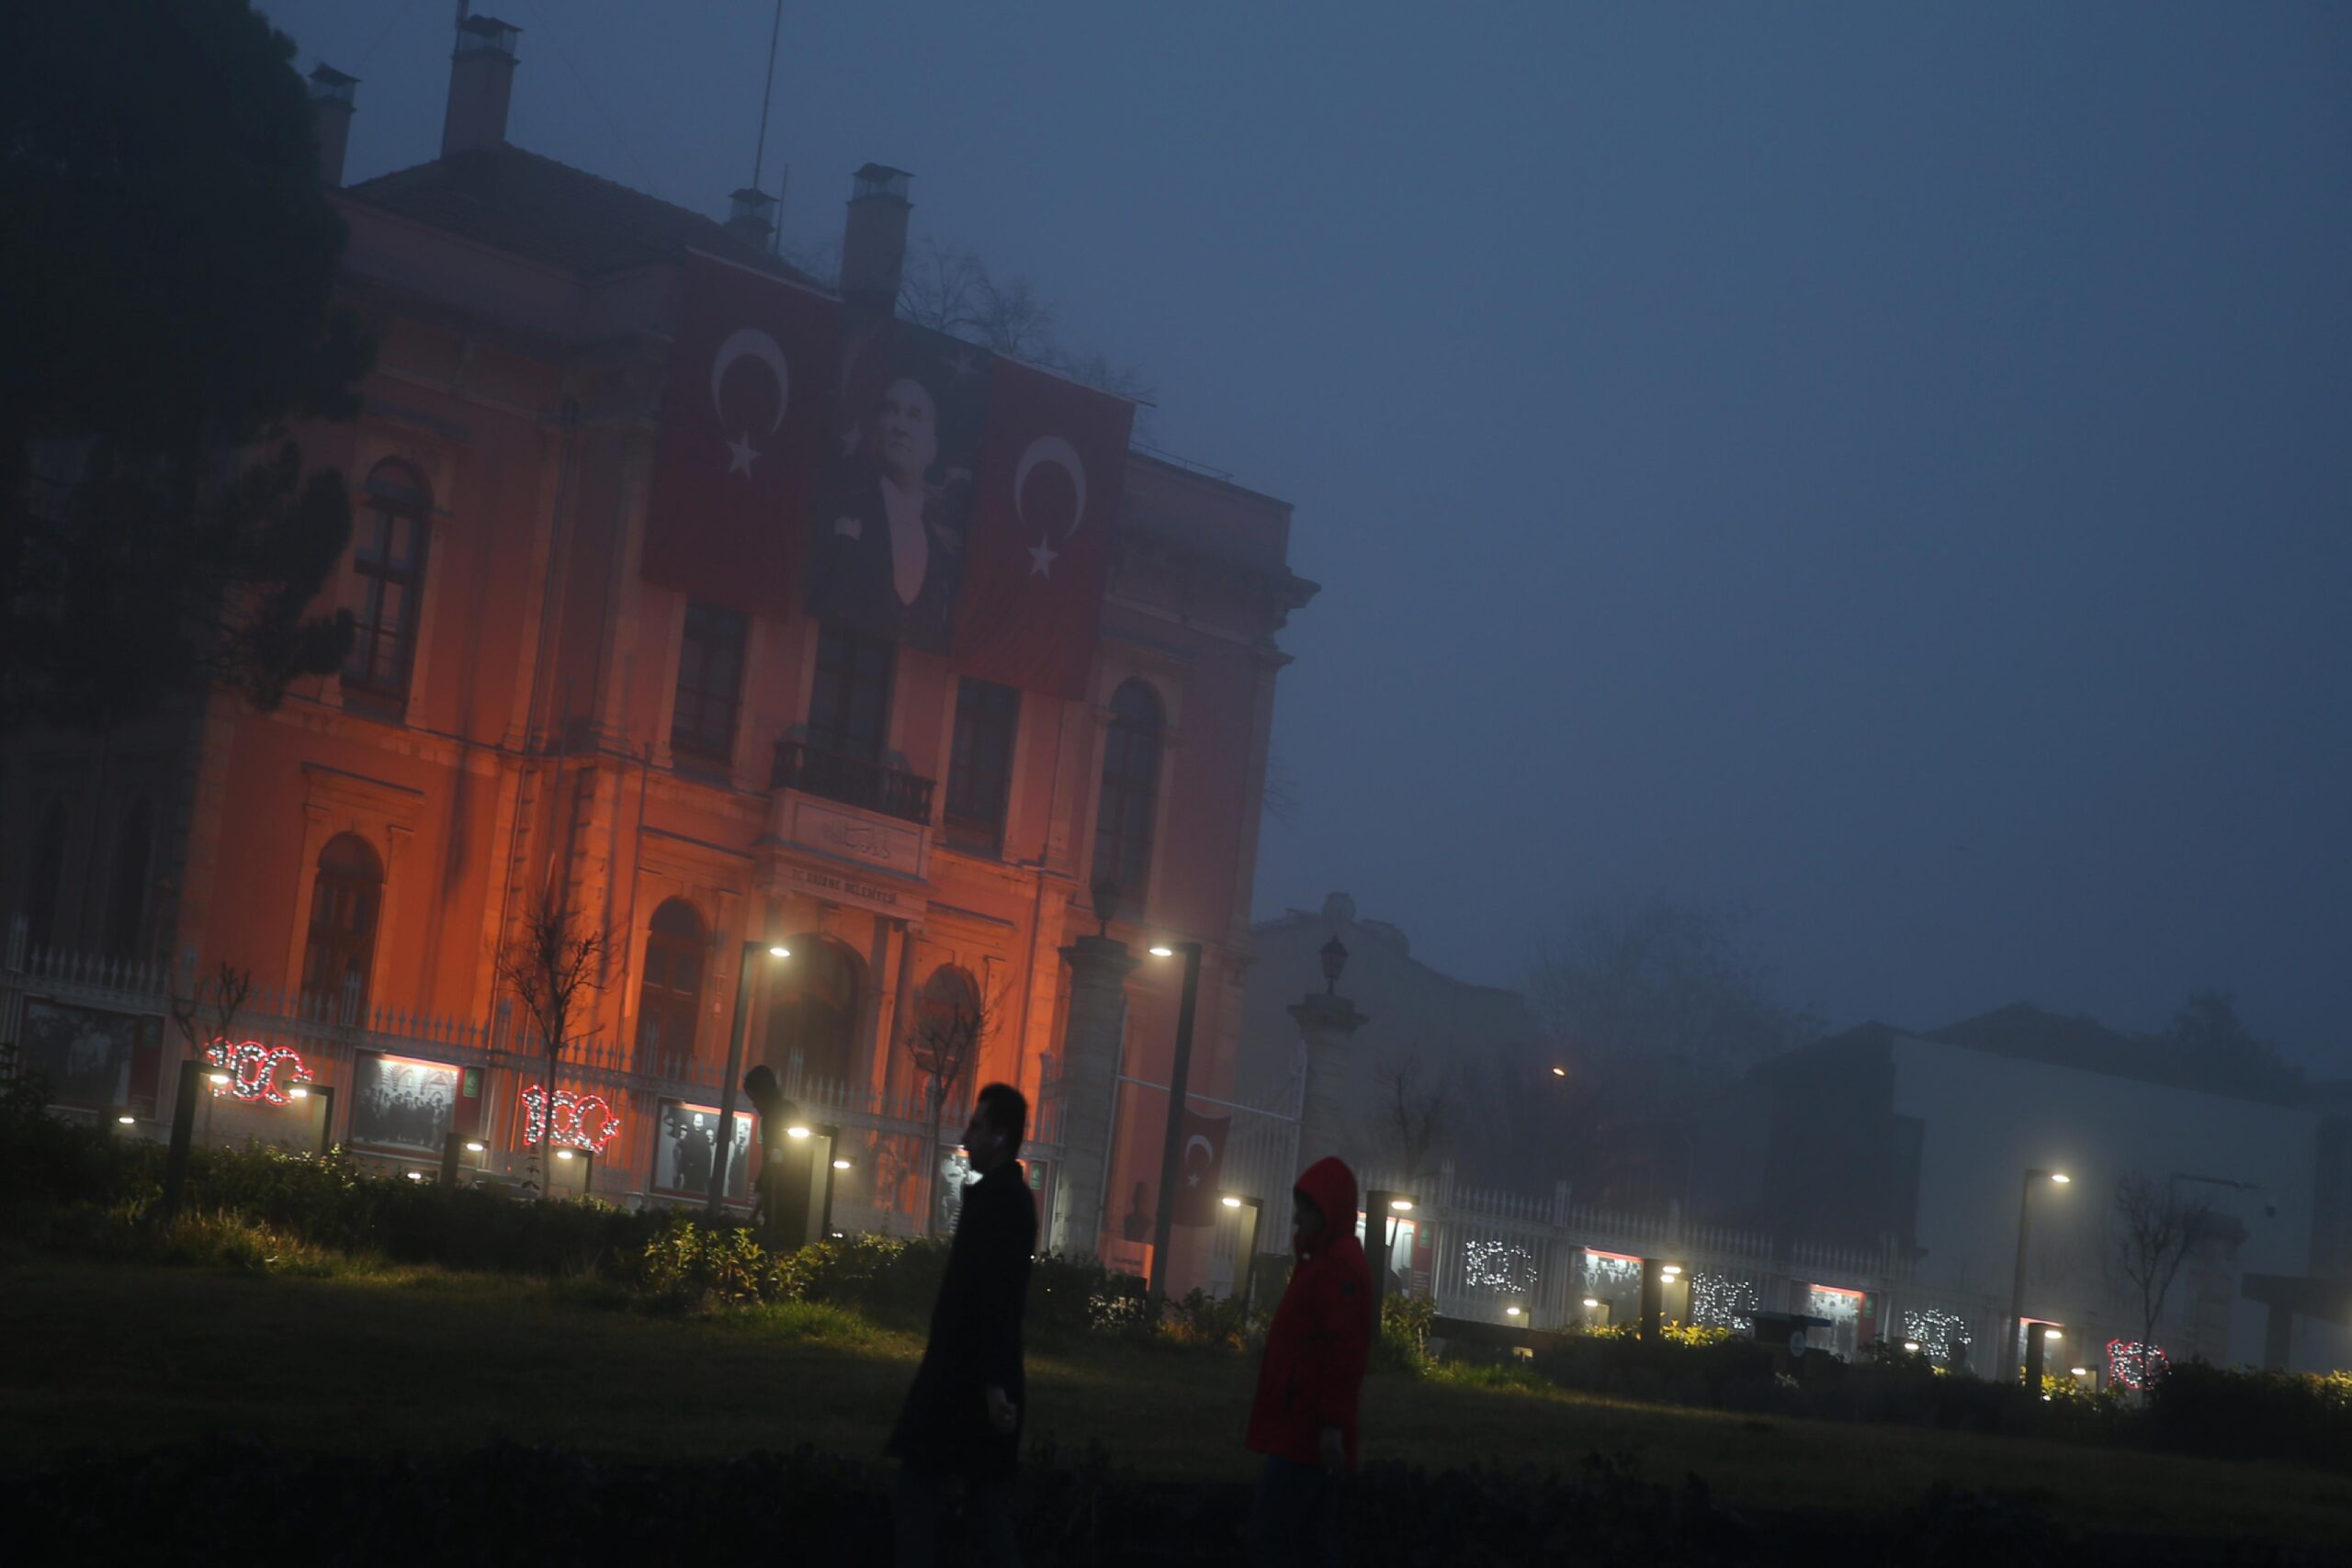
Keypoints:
pixel 538 711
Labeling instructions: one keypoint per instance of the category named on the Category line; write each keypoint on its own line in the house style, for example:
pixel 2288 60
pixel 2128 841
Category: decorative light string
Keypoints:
pixel 1498 1266
pixel 1723 1300
pixel 1935 1331
pixel 254 1069
pixel 582 1121
pixel 2131 1364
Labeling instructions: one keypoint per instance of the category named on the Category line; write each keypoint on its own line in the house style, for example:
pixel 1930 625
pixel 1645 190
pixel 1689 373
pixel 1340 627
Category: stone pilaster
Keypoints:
pixel 1099 968
pixel 1328 1123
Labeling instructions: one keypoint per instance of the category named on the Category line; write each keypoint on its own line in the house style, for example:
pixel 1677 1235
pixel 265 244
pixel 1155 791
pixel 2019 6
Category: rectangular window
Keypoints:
pixel 980 765
pixel 710 684
pixel 848 708
pixel 386 573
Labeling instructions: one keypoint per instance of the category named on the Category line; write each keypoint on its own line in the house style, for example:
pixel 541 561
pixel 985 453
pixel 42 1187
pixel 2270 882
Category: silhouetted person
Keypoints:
pixel 1304 1419
pixel 963 1414
pixel 1136 1226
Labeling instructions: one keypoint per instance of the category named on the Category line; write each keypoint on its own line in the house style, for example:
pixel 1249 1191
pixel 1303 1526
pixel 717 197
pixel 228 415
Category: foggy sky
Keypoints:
pixel 1885 465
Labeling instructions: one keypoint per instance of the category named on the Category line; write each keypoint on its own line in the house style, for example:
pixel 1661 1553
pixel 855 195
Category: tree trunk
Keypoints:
pixel 931 1161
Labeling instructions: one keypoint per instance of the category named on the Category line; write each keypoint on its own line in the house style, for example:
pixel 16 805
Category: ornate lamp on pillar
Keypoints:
pixel 1326 1023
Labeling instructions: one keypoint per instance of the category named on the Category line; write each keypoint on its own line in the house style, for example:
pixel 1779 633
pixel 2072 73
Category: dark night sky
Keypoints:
pixel 1886 466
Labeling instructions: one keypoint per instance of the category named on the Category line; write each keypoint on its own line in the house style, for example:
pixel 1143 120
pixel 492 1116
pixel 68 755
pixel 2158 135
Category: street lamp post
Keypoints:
pixel 724 1138
pixel 1172 1152
pixel 2017 1280
pixel 1255 1211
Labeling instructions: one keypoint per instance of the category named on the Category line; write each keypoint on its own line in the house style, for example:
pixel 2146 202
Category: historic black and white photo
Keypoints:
pixel 400 1103
pixel 85 1053
pixel 686 1142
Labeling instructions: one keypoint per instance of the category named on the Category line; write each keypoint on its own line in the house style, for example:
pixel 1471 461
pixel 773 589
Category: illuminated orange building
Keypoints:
pixel 526 711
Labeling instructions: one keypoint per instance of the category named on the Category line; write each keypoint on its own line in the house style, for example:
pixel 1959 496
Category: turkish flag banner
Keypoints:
pixel 742 422
pixel 1039 554
pixel 1200 1168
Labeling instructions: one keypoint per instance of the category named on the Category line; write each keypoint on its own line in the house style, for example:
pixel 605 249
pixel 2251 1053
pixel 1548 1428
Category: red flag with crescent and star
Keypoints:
pixel 742 423
pixel 1200 1168
pixel 1051 473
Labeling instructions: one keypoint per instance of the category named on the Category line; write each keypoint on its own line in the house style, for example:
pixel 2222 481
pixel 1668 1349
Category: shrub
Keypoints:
pixel 2243 1413
pixel 1403 1344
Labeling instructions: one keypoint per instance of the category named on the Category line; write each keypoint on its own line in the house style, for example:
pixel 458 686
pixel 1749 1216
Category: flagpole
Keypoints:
pixel 1172 1152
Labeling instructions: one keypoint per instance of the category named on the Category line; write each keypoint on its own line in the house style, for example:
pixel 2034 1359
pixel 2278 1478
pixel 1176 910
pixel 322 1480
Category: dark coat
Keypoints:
pixel 851 582
pixel 1321 1336
pixel 975 1336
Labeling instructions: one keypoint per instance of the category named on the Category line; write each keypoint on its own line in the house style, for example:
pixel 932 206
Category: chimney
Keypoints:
pixel 874 240
pixel 750 217
pixel 331 106
pixel 481 78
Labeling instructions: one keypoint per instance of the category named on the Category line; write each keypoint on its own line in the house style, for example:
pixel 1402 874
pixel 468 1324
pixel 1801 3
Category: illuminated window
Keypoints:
pixel 710 684
pixel 387 579
pixel 1122 820
pixel 669 999
pixel 345 899
pixel 979 765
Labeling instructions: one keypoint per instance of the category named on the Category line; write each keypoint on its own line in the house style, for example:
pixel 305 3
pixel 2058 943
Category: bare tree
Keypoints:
pixel 2160 1230
pixel 230 987
pixel 1652 998
pixel 952 1021
pixel 953 291
pixel 554 967
pixel 1415 1107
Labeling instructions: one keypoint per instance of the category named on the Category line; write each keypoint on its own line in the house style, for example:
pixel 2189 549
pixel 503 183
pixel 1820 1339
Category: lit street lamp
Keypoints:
pixel 1172 1152
pixel 1253 1211
pixel 2017 1282
pixel 723 1139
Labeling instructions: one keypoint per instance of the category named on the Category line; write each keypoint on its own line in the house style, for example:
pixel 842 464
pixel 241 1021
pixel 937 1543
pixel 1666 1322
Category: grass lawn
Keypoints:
pixel 117 1358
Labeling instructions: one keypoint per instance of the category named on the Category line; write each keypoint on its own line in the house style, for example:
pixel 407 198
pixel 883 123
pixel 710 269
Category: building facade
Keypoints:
pixel 532 721
pixel 1931 1145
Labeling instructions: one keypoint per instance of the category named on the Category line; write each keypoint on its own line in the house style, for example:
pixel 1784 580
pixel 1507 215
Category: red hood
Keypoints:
pixel 1330 1186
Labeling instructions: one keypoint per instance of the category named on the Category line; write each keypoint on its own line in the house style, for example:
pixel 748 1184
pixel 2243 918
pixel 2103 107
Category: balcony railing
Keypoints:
pixel 852 781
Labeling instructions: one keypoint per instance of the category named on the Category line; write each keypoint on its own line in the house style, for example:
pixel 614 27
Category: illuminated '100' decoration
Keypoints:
pixel 583 1121
pixel 2131 1364
pixel 255 1070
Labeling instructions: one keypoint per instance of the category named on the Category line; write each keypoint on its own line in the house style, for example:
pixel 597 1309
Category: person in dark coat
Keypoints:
pixel 1304 1419
pixel 963 1416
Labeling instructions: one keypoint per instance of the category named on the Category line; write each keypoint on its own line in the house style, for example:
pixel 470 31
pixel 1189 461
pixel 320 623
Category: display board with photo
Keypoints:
pixel 85 1054
pixel 402 1103
pixel 685 1142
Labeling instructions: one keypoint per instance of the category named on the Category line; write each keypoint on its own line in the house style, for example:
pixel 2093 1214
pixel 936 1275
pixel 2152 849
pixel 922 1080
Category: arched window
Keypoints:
pixel 127 901
pixel 1130 792
pixel 668 999
pixel 345 901
pixel 388 542
pixel 48 889
pixel 814 1000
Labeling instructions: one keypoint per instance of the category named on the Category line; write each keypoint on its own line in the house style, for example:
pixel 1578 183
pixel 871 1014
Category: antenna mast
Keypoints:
pixel 767 93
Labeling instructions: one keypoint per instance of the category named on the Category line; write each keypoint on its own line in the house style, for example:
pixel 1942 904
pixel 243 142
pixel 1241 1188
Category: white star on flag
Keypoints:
pixel 962 366
pixel 741 454
pixel 1042 556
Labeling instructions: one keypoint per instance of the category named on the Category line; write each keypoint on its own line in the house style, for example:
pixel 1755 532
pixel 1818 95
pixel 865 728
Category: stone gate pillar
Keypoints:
pixel 1099 967
pixel 1328 1118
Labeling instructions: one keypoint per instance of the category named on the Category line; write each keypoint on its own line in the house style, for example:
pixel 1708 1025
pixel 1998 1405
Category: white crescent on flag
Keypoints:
pixel 750 342
pixel 1052 449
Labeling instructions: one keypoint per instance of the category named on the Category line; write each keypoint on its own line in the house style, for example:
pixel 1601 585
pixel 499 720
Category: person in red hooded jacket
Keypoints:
pixel 1304 1419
